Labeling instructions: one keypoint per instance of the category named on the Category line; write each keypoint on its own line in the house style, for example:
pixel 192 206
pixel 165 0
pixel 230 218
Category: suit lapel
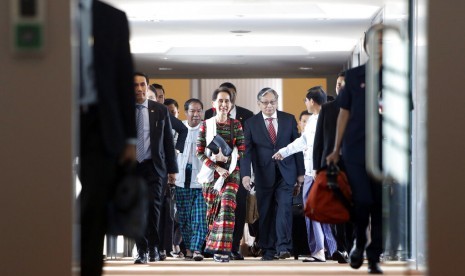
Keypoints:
pixel 153 117
pixel 281 126
pixel 238 114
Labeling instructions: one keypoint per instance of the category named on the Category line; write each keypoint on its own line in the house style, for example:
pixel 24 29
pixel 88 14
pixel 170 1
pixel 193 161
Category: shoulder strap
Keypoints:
pixel 337 191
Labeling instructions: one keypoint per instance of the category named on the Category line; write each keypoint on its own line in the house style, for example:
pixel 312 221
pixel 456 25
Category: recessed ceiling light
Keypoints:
pixel 165 69
pixel 305 68
pixel 240 31
pixel 165 58
pixel 311 57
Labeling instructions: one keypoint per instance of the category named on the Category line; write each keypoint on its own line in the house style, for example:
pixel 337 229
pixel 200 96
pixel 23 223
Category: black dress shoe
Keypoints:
pixel 340 257
pixel 236 256
pixel 373 268
pixel 284 254
pixel 154 256
pixel 267 258
pixel 162 256
pixel 356 257
pixel 141 259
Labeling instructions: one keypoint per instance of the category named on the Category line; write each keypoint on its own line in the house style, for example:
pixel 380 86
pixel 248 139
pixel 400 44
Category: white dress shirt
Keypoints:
pixel 275 121
pixel 145 113
pixel 304 143
pixel 188 156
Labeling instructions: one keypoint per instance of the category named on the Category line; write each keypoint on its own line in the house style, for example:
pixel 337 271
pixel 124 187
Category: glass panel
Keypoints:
pixel 396 141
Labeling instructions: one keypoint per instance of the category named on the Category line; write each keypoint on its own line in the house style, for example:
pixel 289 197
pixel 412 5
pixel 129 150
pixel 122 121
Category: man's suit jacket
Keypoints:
pixel 325 134
pixel 242 114
pixel 161 139
pixel 259 149
pixel 113 77
pixel 352 98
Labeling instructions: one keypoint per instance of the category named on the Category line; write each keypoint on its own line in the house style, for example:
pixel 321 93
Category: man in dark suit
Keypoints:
pixel 107 121
pixel 177 125
pixel 366 191
pixel 276 181
pixel 156 158
pixel 323 145
pixel 241 114
pixel 326 128
pixel 180 131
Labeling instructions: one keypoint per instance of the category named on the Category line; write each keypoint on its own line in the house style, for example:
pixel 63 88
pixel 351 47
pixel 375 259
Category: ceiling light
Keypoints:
pixel 305 68
pixel 165 69
pixel 223 10
pixel 240 32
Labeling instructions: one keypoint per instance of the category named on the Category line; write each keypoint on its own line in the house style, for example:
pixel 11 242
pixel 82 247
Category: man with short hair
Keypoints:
pixel 179 129
pixel 319 234
pixel 166 226
pixel 159 92
pixel 191 206
pixel 275 181
pixel 173 107
pixel 303 118
pixel 366 190
pixel 322 147
pixel 156 158
pixel 107 122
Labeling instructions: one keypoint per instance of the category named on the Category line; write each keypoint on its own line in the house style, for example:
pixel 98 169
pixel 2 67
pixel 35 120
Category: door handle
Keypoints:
pixel 374 63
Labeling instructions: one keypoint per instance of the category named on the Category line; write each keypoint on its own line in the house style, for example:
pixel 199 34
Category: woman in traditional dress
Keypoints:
pixel 220 192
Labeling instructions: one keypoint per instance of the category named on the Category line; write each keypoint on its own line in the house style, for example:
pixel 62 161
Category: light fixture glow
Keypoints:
pixel 223 10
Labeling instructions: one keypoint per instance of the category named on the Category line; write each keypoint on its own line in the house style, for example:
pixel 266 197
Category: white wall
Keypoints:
pixel 247 90
pixel 35 147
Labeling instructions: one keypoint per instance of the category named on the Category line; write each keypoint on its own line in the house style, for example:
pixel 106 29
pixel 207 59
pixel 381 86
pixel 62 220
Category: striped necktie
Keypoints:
pixel 271 130
pixel 140 133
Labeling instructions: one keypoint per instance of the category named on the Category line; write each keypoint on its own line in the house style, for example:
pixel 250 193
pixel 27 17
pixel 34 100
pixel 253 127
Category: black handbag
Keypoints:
pixel 218 142
pixel 127 209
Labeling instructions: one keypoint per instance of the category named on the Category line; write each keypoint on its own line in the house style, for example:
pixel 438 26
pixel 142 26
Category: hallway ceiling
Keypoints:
pixel 245 38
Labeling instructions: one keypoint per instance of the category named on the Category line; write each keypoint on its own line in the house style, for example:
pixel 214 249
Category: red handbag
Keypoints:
pixel 329 200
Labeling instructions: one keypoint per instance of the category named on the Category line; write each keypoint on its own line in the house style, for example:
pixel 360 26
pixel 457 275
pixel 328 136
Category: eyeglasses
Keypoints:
pixel 266 103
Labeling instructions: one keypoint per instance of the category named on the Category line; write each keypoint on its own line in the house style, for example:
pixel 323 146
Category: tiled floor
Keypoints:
pixel 249 267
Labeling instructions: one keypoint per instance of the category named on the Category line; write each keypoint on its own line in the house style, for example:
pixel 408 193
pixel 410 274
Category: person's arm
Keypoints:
pixel 298 145
pixel 318 143
pixel 182 131
pixel 168 145
pixel 342 120
pixel 239 138
pixel 299 156
pixel 202 145
pixel 125 92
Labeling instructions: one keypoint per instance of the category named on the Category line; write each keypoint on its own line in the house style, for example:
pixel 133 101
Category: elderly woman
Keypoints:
pixel 219 190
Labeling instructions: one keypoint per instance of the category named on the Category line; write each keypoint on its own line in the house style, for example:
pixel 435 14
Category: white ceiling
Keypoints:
pixel 270 38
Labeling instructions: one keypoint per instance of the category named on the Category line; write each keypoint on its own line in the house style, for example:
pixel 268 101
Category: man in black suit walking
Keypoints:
pixel 276 181
pixel 326 128
pixel 156 158
pixel 366 190
pixel 323 145
pixel 241 114
pixel 107 121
